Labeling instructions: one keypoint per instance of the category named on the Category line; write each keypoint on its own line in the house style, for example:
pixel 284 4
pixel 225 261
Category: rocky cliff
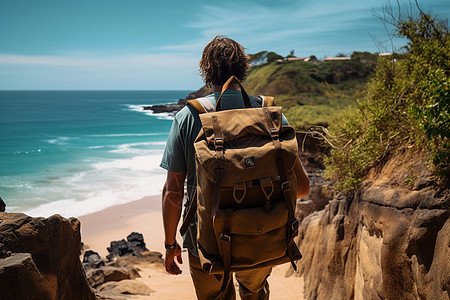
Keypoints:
pixel 390 240
pixel 39 258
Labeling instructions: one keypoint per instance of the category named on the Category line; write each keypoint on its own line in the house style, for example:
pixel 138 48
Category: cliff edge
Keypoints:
pixel 389 240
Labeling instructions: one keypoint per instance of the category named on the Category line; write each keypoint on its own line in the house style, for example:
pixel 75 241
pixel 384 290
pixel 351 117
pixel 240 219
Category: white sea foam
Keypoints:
pixel 164 116
pixel 125 134
pixel 100 185
pixel 61 140
pixel 139 108
pixel 137 163
pixel 136 148
pixel 149 112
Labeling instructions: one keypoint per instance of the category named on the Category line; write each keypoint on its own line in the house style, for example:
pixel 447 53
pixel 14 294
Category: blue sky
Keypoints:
pixel 156 45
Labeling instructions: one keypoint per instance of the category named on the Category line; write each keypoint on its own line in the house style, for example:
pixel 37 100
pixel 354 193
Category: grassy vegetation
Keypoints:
pixel 407 103
pixel 311 93
pixel 371 105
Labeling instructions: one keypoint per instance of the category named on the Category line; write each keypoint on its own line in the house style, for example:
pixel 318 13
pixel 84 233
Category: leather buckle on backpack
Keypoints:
pixel 295 224
pixel 218 144
pixel 225 237
pixel 274 133
pixel 286 185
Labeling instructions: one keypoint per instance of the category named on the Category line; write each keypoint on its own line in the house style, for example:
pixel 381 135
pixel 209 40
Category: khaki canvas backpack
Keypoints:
pixel 246 187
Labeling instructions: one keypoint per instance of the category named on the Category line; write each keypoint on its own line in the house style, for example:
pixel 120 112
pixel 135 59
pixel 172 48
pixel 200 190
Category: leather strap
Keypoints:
pixel 201 105
pixel 226 86
pixel 291 255
pixel 267 101
pixel 219 172
pixel 218 138
pixel 225 240
pixel 207 105
pixel 192 209
pixel 285 184
pixel 285 187
pixel 197 106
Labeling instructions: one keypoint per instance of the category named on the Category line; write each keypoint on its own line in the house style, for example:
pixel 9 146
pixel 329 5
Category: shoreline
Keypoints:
pixel 144 216
pixel 117 215
pixel 117 222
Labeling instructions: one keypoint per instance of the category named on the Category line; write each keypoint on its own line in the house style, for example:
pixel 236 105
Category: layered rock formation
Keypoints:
pixel 390 240
pixel 39 258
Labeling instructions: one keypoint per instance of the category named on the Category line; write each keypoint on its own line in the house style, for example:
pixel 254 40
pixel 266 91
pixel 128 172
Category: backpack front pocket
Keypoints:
pixel 255 235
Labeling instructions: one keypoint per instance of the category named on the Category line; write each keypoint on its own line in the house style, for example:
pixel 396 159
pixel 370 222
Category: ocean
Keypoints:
pixel 78 152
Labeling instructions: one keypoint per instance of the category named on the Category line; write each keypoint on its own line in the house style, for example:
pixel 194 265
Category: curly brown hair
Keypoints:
pixel 221 58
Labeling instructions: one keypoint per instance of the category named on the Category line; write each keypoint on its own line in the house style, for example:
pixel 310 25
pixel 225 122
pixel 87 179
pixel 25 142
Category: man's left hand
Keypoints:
pixel 171 265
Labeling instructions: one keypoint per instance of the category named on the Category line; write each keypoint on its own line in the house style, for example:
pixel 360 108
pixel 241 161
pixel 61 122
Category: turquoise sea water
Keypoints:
pixel 77 152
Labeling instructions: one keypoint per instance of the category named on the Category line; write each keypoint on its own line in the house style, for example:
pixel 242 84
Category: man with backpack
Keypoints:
pixel 249 177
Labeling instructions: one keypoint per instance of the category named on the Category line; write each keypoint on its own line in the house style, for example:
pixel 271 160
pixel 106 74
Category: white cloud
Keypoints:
pixel 298 24
pixel 191 46
pixel 135 59
pixel 13 59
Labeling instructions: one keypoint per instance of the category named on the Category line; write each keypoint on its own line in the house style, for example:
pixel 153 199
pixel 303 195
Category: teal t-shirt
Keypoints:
pixel 179 154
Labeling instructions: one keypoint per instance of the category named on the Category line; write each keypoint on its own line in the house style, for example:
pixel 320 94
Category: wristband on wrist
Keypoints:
pixel 170 247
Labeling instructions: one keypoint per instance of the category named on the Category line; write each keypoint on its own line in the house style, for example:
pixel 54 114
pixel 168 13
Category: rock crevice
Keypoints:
pixel 387 241
pixel 39 258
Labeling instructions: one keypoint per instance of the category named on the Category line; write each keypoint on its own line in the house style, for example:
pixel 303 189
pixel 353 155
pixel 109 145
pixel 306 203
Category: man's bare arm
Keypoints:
pixel 302 179
pixel 172 199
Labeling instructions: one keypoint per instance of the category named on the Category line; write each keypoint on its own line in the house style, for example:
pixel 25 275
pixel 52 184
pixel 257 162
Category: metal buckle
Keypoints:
pixel 274 133
pixel 295 224
pixel 218 143
pixel 225 237
pixel 286 185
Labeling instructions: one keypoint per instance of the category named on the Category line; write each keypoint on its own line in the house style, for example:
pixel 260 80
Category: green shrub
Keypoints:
pixel 406 103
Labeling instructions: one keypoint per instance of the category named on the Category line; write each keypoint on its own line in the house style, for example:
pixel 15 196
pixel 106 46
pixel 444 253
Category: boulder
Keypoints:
pixel 146 257
pixel 133 246
pixel 54 246
pixel 92 259
pixel 2 205
pixel 111 290
pixel 20 278
pixel 104 274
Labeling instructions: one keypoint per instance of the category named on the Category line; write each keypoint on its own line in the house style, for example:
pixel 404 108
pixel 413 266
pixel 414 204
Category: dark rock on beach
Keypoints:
pixel 92 259
pixel 39 258
pixel 115 289
pixel 2 205
pixel 114 278
pixel 133 246
pixel 104 274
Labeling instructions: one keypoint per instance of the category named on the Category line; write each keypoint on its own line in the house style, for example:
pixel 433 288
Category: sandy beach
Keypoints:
pixel 144 216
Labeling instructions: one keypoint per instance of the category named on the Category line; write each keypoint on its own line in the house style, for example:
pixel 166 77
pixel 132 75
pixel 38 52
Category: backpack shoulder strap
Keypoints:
pixel 191 210
pixel 267 101
pixel 201 105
